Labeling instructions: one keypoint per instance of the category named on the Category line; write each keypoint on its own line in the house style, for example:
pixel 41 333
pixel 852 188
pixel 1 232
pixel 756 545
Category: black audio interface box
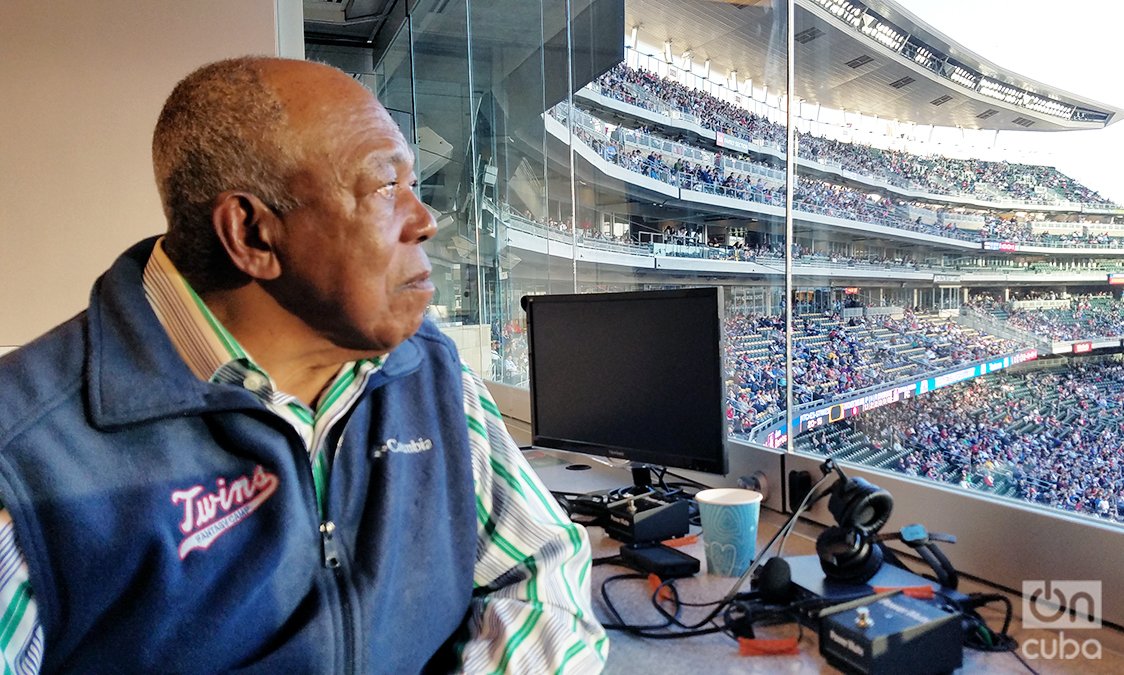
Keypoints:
pixel 644 519
pixel 895 634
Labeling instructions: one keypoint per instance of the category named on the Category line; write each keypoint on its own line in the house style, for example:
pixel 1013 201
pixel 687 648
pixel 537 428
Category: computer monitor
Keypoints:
pixel 635 375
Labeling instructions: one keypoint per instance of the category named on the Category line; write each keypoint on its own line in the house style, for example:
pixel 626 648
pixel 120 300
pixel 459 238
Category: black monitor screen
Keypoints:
pixel 633 375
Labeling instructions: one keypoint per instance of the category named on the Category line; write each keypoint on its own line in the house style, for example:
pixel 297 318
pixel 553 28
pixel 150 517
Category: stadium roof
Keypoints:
pixel 874 57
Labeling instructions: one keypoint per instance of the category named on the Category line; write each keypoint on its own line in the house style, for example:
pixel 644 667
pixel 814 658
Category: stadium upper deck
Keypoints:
pixel 874 56
pixel 697 184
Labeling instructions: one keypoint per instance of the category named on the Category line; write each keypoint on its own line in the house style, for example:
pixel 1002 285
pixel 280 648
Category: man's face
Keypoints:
pixel 352 267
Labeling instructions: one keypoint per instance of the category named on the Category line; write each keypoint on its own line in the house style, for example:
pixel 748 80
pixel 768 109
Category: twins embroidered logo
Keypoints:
pixel 209 515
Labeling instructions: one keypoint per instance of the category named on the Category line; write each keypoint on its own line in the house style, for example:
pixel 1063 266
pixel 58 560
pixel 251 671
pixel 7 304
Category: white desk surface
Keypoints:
pixel 717 653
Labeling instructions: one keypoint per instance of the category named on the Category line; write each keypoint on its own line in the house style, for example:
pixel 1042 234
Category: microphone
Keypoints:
pixel 775 582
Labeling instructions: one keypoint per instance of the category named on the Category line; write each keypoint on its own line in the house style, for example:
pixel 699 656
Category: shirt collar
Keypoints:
pixel 206 346
pixel 201 340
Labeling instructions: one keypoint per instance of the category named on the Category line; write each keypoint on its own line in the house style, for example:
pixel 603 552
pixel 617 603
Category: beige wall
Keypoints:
pixel 81 84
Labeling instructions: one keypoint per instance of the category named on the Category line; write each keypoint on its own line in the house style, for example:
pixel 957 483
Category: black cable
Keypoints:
pixel 741 617
pixel 809 498
pixel 615 559
pixel 977 600
pixel 671 619
pixel 682 486
pixel 687 480
pixel 718 606
pixel 979 636
pixel 644 631
pixel 657 599
pixel 697 604
pixel 616 616
pixel 791 610
pixel 563 493
pixel 675 636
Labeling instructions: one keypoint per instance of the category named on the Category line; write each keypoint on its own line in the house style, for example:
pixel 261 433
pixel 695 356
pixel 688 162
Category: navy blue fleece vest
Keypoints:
pixel 170 525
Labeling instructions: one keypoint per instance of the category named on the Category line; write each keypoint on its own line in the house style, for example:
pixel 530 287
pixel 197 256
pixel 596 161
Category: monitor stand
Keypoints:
pixel 641 476
pixel 642 488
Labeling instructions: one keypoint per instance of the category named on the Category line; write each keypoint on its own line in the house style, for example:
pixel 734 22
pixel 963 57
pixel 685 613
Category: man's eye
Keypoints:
pixel 390 190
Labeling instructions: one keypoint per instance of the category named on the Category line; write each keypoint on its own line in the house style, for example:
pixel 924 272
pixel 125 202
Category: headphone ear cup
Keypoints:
pixel 858 503
pixel 848 555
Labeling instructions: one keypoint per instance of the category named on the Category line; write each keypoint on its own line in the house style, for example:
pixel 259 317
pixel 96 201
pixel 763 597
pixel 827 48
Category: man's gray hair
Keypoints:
pixel 222 128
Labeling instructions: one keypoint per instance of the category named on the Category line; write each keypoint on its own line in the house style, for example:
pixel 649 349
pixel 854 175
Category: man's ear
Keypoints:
pixel 248 230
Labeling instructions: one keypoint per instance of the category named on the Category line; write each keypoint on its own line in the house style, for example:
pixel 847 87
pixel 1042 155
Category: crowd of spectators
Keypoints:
pixel 1085 317
pixel 813 195
pixel 586 231
pixel 1012 230
pixel 692 247
pixel 832 356
pixel 1006 229
pixel 690 241
pixel 935 174
pixel 647 90
pixel 1052 437
pixel 1081 322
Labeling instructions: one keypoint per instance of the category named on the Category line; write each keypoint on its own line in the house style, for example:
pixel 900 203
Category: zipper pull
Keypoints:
pixel 331 553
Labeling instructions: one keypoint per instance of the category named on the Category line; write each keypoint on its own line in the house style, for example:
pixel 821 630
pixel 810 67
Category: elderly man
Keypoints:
pixel 251 453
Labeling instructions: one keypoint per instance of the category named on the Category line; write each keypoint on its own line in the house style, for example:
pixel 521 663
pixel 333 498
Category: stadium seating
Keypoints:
pixel 1029 436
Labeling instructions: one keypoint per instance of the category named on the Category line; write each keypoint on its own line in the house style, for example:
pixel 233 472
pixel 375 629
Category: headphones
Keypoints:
pixel 856 503
pixel 850 552
pixel 848 555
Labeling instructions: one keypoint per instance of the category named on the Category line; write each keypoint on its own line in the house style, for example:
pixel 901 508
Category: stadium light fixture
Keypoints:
pixel 964 77
pixel 843 10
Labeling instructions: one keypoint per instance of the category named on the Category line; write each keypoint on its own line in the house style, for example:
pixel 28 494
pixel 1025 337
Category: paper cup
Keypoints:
pixel 729 524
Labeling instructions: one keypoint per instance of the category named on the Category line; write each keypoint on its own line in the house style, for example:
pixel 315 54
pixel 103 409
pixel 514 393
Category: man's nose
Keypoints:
pixel 420 224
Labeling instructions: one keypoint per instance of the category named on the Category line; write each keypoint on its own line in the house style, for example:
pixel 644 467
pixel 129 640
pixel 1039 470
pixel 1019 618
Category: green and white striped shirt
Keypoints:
pixel 538 621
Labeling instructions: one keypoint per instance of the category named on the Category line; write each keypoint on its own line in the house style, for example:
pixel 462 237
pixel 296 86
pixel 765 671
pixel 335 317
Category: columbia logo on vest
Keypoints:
pixel 411 447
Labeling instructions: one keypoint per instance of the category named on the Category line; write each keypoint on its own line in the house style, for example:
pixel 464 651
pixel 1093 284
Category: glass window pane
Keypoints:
pixel 936 247
pixel 945 263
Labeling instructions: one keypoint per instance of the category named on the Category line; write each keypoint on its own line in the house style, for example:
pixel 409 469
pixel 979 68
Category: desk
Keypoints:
pixel 718 654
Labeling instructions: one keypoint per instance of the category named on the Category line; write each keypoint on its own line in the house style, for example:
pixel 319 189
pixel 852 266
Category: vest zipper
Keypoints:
pixel 332 559
pixel 331 552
